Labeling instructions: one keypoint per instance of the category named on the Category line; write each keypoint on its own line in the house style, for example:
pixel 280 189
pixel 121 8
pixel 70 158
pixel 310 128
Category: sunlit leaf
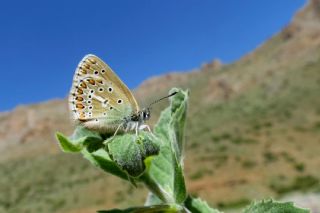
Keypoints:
pixel 196 205
pixel 270 206
pixel 147 209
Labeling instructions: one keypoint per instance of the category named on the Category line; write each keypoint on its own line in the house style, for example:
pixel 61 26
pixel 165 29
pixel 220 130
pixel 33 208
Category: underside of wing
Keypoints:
pixel 98 98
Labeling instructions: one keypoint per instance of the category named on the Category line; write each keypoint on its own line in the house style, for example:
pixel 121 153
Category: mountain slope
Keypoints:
pixel 253 132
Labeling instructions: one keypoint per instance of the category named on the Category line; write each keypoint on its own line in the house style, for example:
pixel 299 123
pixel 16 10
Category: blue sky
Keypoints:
pixel 41 42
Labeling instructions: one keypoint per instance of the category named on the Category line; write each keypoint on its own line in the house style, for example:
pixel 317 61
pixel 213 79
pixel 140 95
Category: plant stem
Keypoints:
pixel 155 189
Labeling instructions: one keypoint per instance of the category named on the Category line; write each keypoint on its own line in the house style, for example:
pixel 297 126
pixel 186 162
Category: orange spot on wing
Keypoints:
pixel 82 69
pixel 91 81
pixel 83 85
pixel 80 91
pixel 92 60
pixel 82 116
pixel 79 106
pixel 79 98
pixel 87 66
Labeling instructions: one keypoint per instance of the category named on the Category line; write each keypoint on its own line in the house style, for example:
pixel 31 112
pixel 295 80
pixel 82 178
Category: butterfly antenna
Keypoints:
pixel 168 96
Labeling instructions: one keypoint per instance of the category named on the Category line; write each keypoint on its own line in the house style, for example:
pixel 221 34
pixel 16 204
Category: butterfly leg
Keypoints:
pixel 115 133
pixel 120 125
pixel 137 127
pixel 144 126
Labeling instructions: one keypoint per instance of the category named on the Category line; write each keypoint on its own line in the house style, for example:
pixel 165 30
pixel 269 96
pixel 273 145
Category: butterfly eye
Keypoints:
pixel 92 91
pixel 110 108
pixel 120 101
pixel 103 71
pixel 100 89
pixel 110 89
pixel 96 72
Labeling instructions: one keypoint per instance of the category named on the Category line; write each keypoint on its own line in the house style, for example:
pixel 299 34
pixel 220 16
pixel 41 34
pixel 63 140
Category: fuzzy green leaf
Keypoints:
pixel 152 199
pixel 80 139
pixel 90 144
pixel 196 205
pixel 101 159
pixel 180 192
pixel 129 151
pixel 160 175
pixel 166 169
pixel 67 145
pixel 86 138
pixel 179 105
pixel 270 206
pixel 161 129
pixel 81 132
pixel 170 126
pixel 147 209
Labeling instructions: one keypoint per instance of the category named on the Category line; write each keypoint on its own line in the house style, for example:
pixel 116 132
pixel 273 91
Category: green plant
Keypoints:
pixel 302 183
pixel 154 159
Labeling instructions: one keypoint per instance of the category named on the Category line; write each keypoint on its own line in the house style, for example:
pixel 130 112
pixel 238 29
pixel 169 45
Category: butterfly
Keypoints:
pixel 100 101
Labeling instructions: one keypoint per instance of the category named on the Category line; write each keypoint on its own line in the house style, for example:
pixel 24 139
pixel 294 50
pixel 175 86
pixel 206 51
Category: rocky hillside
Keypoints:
pixel 253 132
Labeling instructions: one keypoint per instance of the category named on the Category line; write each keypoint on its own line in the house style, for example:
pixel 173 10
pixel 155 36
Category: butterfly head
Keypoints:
pixel 145 114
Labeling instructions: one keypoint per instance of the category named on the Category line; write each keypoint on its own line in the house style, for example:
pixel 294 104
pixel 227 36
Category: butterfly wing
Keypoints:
pixel 98 98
